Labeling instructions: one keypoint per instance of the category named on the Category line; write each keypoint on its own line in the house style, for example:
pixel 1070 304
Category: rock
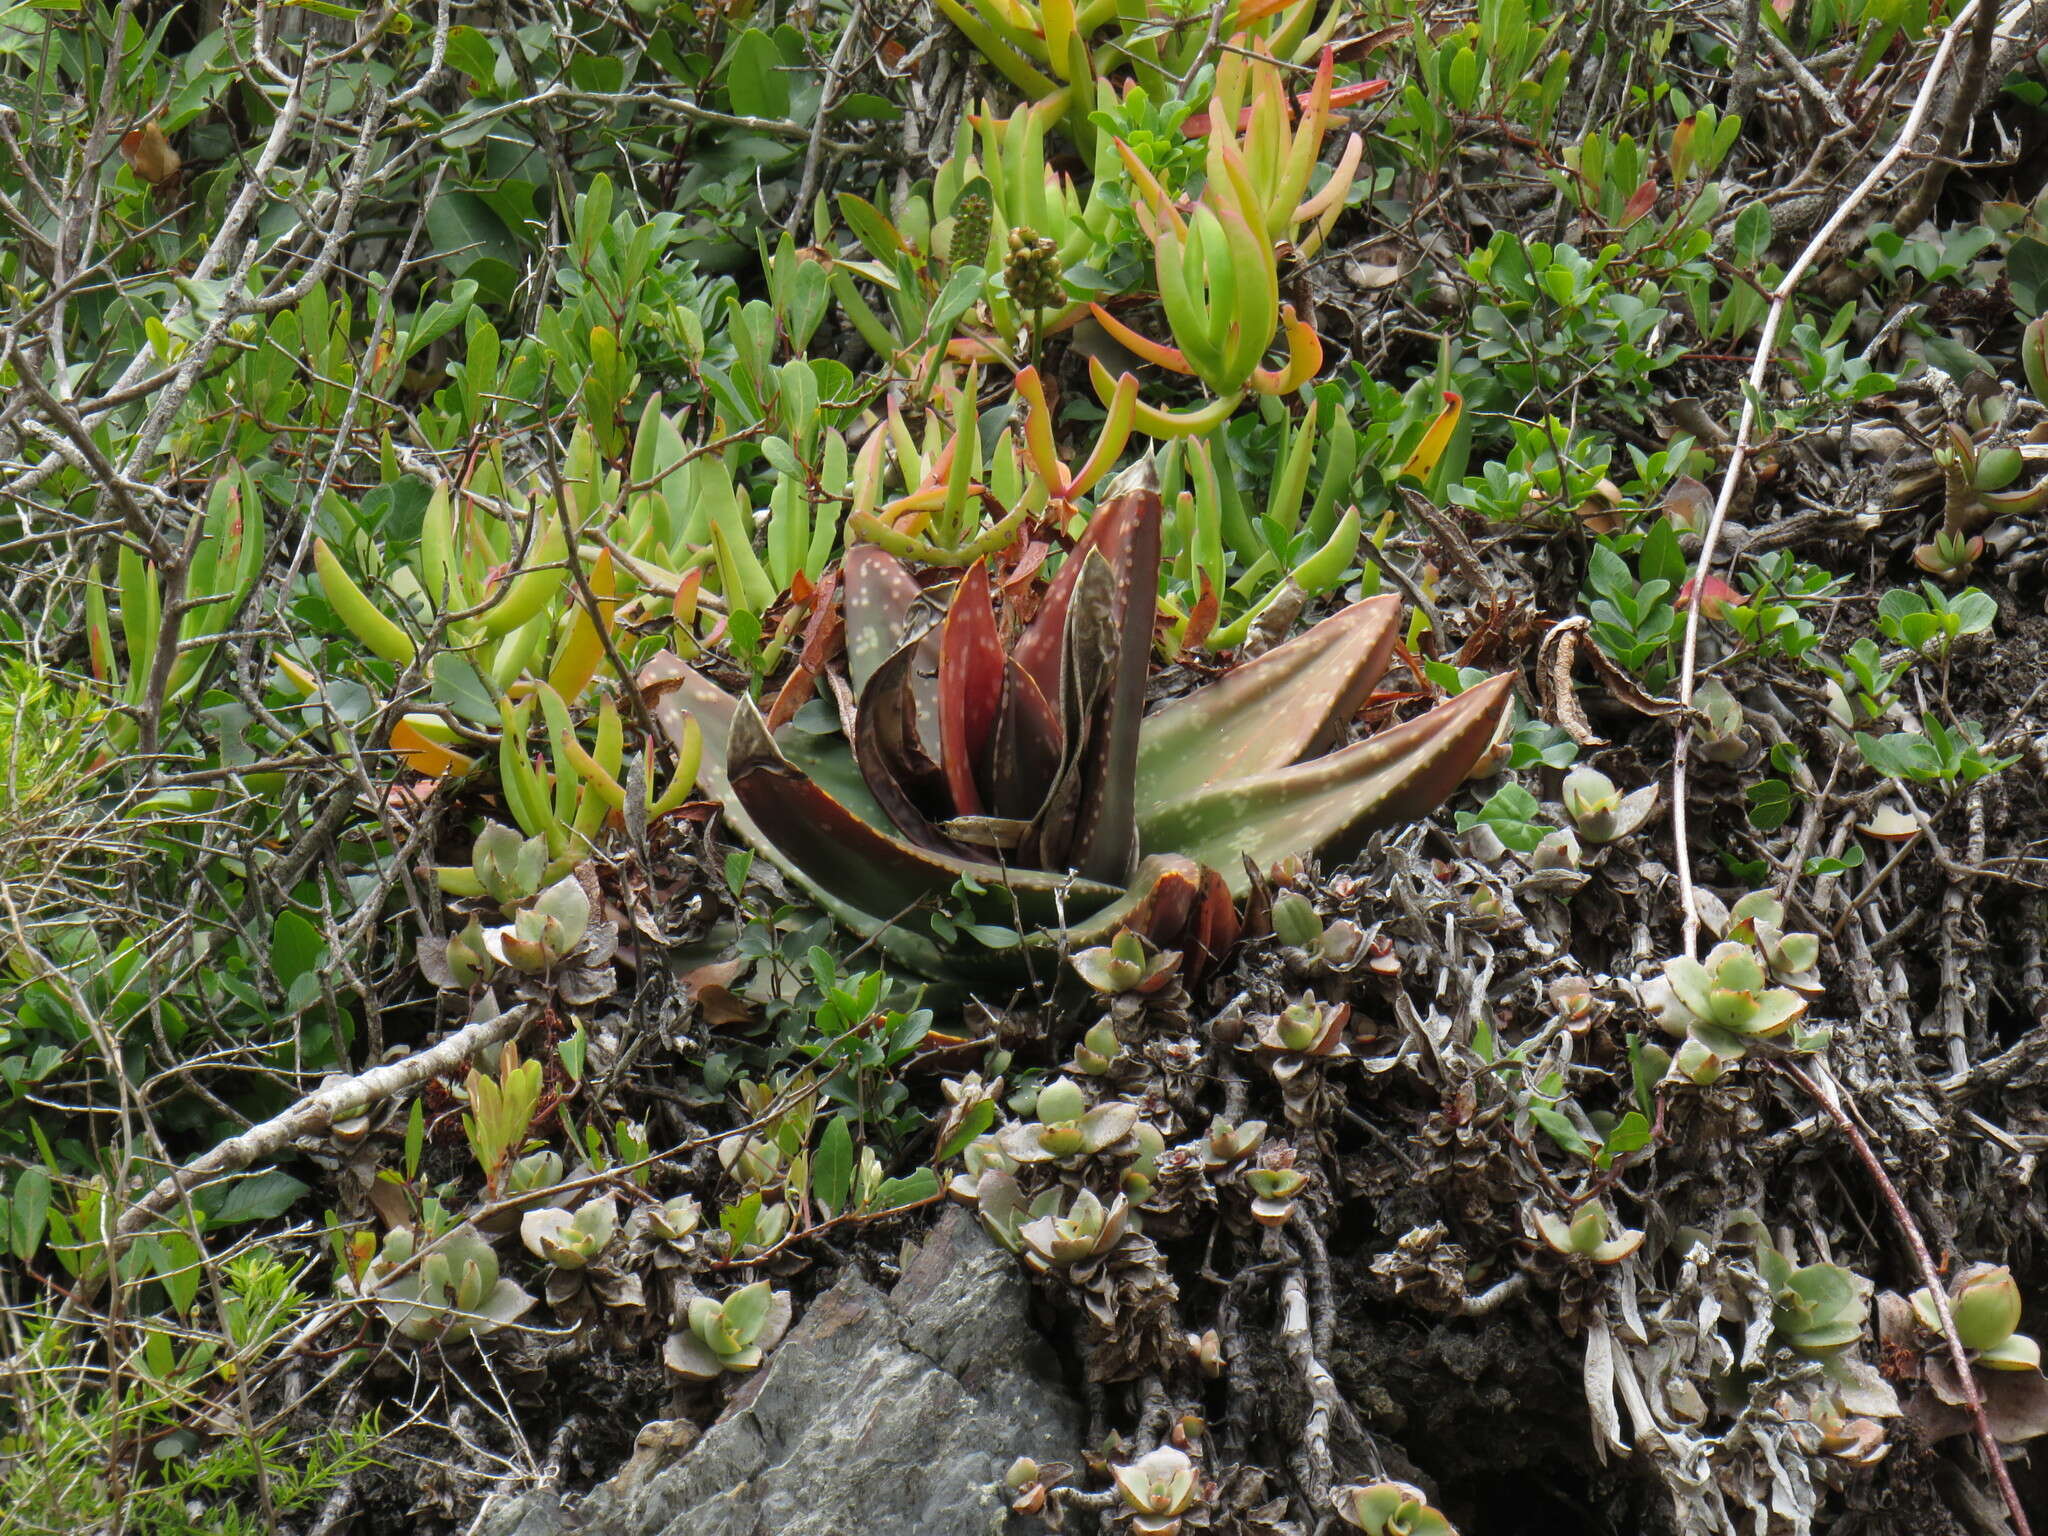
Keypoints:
pixel 890 1415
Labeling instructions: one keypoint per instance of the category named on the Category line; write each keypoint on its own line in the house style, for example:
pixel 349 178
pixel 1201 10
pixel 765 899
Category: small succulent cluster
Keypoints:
pixel 1984 1302
pixel 553 947
pixel 1725 735
pixel 1317 949
pixel 1985 476
pixel 1578 1249
pixel 1817 1310
pixel 1158 1489
pixel 1390 1509
pixel 1071 1186
pixel 436 1279
pixel 1602 813
pixel 1127 970
pixel 1590 1236
pixel 730 1335
pixel 1751 989
pixel 1296 1045
pixel 444 1290
pixel 584 1269
pixel 1559 846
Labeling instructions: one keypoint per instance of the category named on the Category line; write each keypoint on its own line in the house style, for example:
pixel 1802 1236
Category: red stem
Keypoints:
pixel 1935 1288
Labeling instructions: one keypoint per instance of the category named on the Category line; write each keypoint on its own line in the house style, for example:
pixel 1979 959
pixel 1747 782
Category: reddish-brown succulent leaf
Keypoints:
pixel 1106 832
pixel 1202 617
pixel 1333 802
pixel 899 772
pixel 1023 752
pixel 824 634
pixel 1038 649
pixel 924 683
pixel 989 837
pixel 1166 902
pixel 853 863
pixel 1215 928
pixel 1140 906
pixel 879 593
pixel 1087 683
pixel 971 669
pixel 673 690
pixel 1285 707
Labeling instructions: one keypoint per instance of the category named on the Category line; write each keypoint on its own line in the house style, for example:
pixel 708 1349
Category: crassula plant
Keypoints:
pixel 1984 1304
pixel 1157 1490
pixel 451 1292
pixel 730 1335
pixel 1066 1125
pixel 1749 989
pixel 1389 1509
pixel 1817 1310
pixel 1590 1234
pixel 570 1240
pixel 1022 771
pixel 1600 811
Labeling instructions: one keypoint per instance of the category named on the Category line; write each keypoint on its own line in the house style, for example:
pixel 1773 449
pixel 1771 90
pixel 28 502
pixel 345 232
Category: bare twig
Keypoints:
pixel 1929 1273
pixel 1738 456
pixel 312 1114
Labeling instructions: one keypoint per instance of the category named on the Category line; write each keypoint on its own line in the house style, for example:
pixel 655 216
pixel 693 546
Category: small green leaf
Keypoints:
pixel 257 1198
pixel 1630 1135
pixel 977 1120
pixel 832 1167
pixel 738 1220
pixel 1752 234
pixel 28 1213
pixel 910 1190
pixel 295 948
pixel 1560 1130
pixel 415 1138
pixel 754 77
pixel 573 1052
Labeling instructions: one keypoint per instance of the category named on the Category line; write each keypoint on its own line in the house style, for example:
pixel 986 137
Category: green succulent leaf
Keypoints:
pixel 1334 801
pixel 1289 704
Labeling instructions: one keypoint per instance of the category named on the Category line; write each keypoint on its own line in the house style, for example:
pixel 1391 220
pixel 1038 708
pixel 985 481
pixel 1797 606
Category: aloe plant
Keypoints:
pixel 1029 776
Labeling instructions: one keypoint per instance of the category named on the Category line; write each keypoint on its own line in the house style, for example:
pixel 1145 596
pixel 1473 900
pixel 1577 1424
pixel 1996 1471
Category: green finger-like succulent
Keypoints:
pixel 1028 775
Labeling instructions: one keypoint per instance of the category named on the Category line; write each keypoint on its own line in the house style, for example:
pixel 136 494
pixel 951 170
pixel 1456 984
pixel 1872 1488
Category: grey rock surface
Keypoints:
pixel 879 1415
